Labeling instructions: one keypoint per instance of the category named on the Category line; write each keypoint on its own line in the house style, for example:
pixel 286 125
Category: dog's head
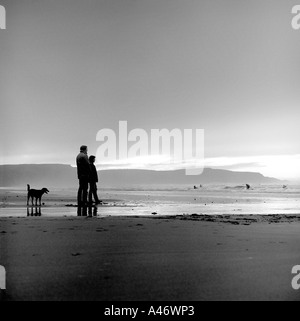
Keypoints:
pixel 45 190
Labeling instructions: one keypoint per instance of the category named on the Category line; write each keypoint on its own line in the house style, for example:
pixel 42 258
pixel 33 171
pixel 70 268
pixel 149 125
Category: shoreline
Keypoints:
pixel 263 200
pixel 93 211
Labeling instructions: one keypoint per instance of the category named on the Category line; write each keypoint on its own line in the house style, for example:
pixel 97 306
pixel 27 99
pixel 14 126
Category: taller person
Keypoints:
pixel 83 173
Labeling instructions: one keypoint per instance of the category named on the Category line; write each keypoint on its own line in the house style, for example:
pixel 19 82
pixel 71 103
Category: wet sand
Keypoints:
pixel 187 258
pixel 209 200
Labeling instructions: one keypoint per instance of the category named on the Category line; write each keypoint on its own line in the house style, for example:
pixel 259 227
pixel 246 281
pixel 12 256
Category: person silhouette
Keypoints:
pixel 93 181
pixel 83 173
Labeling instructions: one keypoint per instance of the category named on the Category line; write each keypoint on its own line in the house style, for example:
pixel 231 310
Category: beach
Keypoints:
pixel 185 116
pixel 106 255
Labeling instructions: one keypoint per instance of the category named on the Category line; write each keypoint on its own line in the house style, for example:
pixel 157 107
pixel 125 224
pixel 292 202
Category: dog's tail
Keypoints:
pixel 28 187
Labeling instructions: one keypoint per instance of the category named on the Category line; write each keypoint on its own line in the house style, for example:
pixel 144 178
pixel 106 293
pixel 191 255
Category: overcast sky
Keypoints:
pixel 231 67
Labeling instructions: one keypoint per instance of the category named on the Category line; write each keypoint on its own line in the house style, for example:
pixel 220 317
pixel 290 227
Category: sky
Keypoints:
pixel 70 68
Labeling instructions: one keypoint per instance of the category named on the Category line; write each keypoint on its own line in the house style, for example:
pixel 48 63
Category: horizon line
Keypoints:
pixel 158 169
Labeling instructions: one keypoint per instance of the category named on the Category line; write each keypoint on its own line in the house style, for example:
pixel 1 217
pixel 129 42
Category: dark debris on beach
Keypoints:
pixel 240 219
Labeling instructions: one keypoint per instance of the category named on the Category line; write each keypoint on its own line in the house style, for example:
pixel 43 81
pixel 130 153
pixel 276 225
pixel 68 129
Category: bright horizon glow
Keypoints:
pixel 285 167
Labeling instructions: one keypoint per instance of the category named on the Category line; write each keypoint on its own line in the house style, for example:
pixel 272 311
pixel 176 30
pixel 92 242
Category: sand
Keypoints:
pixel 148 245
pixel 186 258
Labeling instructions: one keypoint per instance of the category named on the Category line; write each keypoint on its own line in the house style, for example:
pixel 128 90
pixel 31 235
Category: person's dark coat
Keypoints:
pixel 83 166
pixel 94 174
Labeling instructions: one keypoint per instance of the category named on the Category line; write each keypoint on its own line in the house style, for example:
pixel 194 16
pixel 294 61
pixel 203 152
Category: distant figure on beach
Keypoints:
pixel 248 186
pixel 195 187
pixel 83 173
pixel 93 181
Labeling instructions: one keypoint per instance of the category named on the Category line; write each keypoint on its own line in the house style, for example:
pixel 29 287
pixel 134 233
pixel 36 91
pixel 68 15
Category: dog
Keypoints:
pixel 35 193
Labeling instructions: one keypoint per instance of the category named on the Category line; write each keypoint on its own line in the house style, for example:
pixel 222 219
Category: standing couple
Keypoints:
pixel 87 175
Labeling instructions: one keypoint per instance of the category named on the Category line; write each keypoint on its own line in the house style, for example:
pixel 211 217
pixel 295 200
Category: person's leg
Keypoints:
pixel 91 193
pixel 79 193
pixel 95 193
pixel 84 211
pixel 85 187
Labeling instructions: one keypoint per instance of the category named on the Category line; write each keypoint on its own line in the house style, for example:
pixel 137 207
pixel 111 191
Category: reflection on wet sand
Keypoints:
pixel 81 211
pixel 34 211
pixel 87 211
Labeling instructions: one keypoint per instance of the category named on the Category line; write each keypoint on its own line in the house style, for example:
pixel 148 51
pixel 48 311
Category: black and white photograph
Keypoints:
pixel 149 152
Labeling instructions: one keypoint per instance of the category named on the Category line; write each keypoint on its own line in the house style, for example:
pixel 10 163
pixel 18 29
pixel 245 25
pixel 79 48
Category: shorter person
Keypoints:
pixel 93 182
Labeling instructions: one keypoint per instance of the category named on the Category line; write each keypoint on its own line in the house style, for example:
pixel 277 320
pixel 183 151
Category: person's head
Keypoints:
pixel 92 159
pixel 83 149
